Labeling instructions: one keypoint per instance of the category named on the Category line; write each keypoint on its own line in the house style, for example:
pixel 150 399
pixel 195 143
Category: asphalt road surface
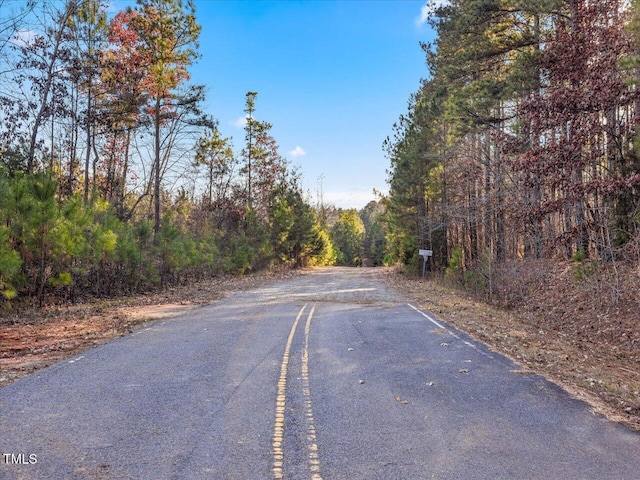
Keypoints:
pixel 327 376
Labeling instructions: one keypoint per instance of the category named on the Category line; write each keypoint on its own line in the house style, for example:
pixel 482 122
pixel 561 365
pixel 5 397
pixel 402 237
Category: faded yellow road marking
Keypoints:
pixel 281 399
pixel 312 441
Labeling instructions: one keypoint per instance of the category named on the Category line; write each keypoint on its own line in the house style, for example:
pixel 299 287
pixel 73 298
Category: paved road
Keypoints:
pixel 328 376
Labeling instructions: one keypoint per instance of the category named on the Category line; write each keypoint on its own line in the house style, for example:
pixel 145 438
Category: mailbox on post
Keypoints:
pixel 425 254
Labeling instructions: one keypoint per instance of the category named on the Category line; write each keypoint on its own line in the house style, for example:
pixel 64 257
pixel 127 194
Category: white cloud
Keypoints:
pixel 349 198
pixel 240 122
pixel 297 152
pixel 427 10
pixel 22 38
pixel 425 13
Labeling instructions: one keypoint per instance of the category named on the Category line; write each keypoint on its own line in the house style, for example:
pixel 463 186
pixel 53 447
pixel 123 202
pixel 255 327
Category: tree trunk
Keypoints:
pixel 123 179
pixel 87 157
pixel 157 178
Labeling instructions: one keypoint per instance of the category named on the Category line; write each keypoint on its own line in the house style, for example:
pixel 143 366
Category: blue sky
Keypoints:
pixel 332 77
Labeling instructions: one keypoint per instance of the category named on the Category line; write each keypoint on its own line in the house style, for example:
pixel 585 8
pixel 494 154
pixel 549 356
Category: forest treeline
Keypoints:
pixel 113 179
pixel 522 141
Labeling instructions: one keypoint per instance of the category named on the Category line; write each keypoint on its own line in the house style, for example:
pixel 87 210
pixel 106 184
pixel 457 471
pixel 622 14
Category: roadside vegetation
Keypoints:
pixel 113 180
pixel 517 164
pixel 519 151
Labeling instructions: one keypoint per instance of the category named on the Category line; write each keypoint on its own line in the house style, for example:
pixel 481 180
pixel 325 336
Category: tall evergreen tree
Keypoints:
pixel 169 39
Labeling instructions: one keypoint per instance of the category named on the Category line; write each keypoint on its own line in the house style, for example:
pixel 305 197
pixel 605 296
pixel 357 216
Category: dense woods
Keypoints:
pixel 112 178
pixel 522 142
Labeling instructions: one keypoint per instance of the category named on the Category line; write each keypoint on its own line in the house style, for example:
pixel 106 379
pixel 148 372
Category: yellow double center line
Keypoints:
pixel 281 402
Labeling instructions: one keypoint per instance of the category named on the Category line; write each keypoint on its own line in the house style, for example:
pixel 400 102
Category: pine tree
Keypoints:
pixel 169 40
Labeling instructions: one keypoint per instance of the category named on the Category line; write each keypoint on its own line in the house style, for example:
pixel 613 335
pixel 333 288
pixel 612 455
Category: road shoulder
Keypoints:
pixel 600 378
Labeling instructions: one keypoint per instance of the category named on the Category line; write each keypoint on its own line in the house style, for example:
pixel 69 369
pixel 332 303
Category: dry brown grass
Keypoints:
pixel 558 326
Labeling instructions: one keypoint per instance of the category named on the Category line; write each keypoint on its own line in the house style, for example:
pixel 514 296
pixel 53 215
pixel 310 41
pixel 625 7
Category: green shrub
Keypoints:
pixel 454 266
pixel 10 265
pixel 583 269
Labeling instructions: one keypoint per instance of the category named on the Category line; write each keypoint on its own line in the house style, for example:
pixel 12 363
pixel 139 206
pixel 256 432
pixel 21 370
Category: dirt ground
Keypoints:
pixel 563 330
pixel 33 339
